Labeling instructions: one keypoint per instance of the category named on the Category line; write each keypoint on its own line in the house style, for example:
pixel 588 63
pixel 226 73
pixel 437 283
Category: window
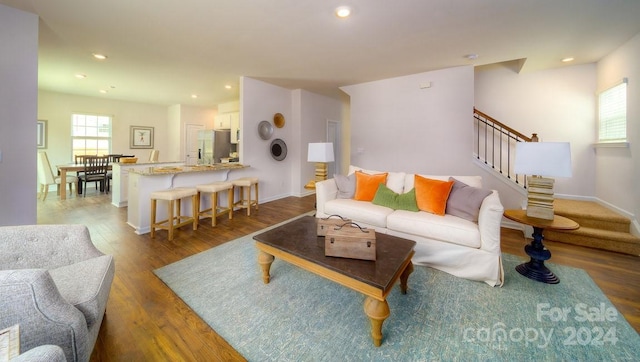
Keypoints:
pixel 90 134
pixel 612 105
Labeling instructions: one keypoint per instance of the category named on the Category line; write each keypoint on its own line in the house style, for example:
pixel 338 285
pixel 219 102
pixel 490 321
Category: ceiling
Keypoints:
pixel 163 51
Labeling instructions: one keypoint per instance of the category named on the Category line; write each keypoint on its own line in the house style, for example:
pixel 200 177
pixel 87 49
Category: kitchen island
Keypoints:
pixel 144 181
pixel 120 178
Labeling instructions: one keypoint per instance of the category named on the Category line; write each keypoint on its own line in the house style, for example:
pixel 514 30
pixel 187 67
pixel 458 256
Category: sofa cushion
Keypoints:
pixel 83 284
pixel 448 228
pixel 395 180
pixel 475 181
pixel 464 201
pixel 346 186
pixel 386 197
pixel 359 211
pixel 367 185
pixel 432 195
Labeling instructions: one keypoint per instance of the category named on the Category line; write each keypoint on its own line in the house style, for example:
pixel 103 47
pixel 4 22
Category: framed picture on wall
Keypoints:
pixel 141 137
pixel 42 134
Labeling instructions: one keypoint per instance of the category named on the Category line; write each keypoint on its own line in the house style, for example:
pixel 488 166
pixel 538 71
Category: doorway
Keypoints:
pixel 334 136
pixel 191 144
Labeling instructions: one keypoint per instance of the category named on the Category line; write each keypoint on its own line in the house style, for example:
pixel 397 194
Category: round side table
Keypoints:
pixel 535 268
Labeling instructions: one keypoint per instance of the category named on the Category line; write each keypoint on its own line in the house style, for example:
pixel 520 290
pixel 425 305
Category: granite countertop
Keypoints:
pixel 164 170
pixel 146 163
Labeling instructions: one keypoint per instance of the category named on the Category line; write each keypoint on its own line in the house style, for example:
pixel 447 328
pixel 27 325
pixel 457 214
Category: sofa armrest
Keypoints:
pixel 45 246
pixel 325 191
pixel 30 298
pixel 489 221
pixel 45 353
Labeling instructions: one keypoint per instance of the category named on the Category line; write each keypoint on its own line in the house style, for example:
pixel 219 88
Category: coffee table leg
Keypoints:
pixel 377 311
pixel 265 261
pixel 404 277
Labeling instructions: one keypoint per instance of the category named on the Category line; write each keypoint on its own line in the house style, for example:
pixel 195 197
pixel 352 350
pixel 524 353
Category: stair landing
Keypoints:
pixel 600 227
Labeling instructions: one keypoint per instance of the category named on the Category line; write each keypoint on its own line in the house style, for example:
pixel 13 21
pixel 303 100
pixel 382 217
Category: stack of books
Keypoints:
pixel 321 171
pixel 540 197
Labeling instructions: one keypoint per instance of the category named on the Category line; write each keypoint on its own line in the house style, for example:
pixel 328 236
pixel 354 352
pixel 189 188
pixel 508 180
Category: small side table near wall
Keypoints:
pixel 535 268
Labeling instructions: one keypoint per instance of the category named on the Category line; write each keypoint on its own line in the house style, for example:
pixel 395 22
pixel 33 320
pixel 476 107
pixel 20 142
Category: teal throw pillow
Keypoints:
pixel 386 197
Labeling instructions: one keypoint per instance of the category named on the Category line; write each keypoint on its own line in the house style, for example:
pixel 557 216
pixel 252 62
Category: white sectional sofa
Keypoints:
pixel 453 244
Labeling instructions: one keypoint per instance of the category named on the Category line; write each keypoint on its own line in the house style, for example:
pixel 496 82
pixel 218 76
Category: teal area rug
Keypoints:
pixel 302 317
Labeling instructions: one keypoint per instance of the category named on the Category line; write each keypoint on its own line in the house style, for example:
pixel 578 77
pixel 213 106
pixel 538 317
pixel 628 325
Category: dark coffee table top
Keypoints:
pixel 299 238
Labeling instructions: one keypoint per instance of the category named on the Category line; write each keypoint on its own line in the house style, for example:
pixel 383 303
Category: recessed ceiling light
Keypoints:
pixel 99 56
pixel 343 11
pixel 227 86
pixel 471 56
pixel 103 91
pixel 81 76
pixel 567 59
pixel 194 96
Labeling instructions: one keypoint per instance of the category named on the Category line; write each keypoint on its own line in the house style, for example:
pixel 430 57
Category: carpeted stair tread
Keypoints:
pixel 597 238
pixel 600 227
pixel 591 214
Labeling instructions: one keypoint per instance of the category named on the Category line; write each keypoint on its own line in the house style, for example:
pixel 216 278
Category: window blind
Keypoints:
pixel 90 134
pixel 613 114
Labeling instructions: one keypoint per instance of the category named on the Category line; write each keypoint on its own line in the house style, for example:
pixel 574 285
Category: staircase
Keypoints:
pixel 600 228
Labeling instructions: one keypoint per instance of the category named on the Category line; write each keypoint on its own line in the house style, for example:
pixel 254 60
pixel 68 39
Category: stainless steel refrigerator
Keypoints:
pixel 213 145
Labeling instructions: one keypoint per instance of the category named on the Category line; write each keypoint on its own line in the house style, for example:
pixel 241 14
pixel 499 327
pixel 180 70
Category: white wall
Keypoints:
pixel 18 103
pixel 260 101
pixel 397 126
pixel 618 169
pixel 305 116
pixel 57 109
pixel 557 104
pixel 314 112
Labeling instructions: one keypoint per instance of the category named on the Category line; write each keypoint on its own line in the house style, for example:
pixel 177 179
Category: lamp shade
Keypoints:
pixel 551 159
pixel 320 152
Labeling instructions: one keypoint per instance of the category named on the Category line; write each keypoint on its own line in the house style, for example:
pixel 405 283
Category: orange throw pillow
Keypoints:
pixel 367 185
pixel 432 195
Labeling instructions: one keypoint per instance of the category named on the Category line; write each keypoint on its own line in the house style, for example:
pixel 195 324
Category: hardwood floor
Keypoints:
pixel 146 321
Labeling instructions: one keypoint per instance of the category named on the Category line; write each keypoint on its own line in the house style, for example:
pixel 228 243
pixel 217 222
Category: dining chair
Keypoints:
pixel 46 176
pixel 95 170
pixel 79 160
pixel 112 158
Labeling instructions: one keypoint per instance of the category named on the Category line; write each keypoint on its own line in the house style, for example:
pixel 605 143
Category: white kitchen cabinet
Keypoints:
pixel 222 121
pixel 235 127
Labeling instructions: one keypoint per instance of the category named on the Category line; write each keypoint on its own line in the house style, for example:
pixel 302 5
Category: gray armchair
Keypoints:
pixel 55 284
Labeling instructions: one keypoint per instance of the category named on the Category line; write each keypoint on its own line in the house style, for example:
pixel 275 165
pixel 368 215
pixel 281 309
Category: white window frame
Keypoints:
pixel 85 127
pixel 612 115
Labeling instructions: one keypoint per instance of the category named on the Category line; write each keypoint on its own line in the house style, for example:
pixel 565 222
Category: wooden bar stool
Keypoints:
pixel 174 197
pixel 245 184
pixel 216 210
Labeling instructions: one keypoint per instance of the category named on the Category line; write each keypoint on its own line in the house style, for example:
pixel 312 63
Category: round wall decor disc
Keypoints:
pixel 278 149
pixel 278 120
pixel 265 130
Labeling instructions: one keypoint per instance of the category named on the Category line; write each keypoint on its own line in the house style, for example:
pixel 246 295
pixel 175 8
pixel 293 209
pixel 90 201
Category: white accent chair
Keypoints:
pixel 153 156
pixel 46 176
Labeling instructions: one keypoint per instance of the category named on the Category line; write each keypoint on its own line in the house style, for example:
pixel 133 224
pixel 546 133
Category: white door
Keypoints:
pixel 334 136
pixel 192 143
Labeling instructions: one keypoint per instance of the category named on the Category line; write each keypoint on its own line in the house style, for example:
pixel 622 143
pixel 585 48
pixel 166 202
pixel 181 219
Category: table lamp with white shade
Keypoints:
pixel 540 161
pixel 321 154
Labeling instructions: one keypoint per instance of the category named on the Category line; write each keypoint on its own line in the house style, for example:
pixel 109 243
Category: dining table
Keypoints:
pixel 69 167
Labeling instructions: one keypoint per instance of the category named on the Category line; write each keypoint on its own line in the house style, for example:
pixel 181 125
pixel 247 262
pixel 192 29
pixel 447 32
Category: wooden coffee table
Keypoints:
pixel 297 243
